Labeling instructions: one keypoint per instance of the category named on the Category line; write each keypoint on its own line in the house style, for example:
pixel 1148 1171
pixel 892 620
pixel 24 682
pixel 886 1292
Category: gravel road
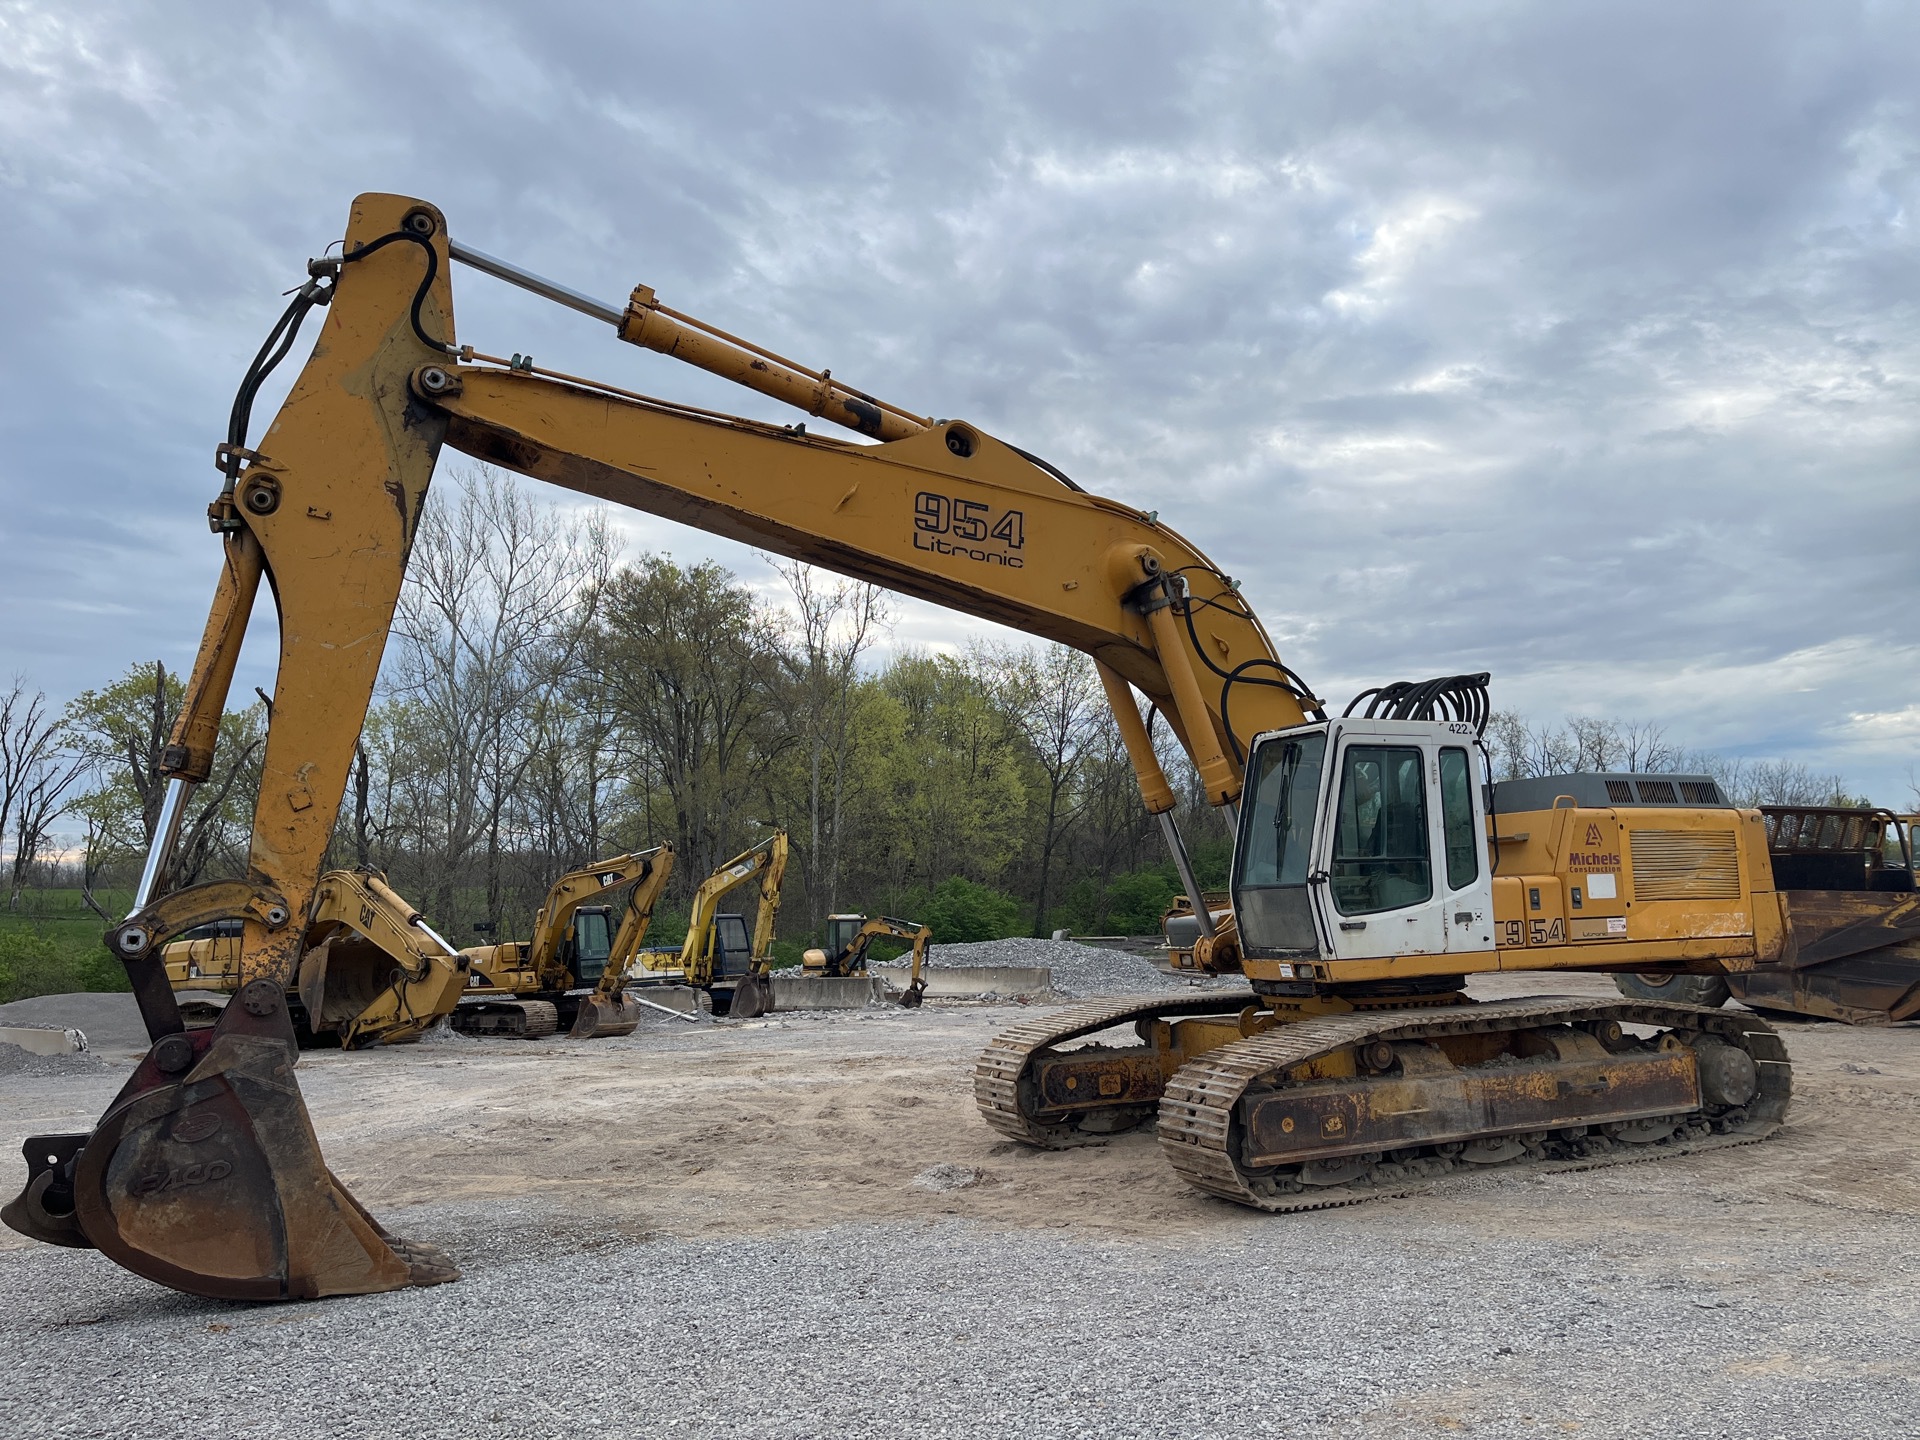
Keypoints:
pixel 795 1227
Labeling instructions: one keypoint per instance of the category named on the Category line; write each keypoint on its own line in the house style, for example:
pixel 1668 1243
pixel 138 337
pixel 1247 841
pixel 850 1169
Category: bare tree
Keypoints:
pixel 838 621
pixel 500 599
pixel 29 736
pixel 41 801
pixel 1057 701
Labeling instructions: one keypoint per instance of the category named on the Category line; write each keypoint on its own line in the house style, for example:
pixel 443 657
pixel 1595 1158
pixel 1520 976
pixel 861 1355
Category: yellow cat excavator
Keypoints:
pixel 720 955
pixel 372 971
pixel 1370 874
pixel 531 988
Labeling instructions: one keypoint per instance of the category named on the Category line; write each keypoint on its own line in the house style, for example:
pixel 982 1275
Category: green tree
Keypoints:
pixel 121 731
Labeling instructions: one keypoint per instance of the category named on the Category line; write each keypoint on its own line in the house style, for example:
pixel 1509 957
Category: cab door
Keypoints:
pixel 1402 868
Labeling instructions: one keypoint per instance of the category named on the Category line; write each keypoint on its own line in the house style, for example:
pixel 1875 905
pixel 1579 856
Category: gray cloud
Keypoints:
pixel 1572 342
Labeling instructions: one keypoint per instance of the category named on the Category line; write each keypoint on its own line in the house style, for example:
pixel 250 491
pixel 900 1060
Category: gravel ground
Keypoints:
pixel 948 1329
pixel 15 1060
pixel 797 1227
pixel 1078 970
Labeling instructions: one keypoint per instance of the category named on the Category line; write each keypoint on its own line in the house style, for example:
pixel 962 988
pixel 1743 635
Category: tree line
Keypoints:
pixel 543 704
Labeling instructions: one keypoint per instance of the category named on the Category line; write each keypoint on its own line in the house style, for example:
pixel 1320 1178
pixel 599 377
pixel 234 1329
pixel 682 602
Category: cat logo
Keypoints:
pixel 1593 834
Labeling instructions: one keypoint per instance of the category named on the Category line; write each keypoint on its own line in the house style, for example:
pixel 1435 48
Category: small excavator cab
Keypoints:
pixel 732 947
pixel 841 930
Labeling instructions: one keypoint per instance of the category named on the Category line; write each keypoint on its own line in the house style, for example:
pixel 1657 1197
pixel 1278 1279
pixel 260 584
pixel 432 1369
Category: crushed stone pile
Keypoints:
pixel 1078 970
pixel 16 1061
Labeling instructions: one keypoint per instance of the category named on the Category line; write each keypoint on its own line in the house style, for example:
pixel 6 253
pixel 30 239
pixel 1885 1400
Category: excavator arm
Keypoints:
pixel 375 971
pixel 325 510
pixel 574 889
pixel 608 1011
pixel 697 960
pixel 371 969
pixel 885 927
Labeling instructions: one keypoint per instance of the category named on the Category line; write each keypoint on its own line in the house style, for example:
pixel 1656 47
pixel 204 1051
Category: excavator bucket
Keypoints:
pixel 603 1017
pixel 205 1175
pixel 752 997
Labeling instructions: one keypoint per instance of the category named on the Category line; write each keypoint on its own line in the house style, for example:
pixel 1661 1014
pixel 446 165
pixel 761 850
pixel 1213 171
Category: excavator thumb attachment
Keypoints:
pixel 602 1017
pixel 205 1175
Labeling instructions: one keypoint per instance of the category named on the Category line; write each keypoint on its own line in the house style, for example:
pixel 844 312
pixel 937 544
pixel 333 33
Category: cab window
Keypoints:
pixel 1280 829
pixel 1380 850
pixel 591 939
pixel 1271 901
pixel 1456 818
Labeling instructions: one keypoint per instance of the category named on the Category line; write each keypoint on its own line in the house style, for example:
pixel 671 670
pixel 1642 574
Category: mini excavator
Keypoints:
pixel 1370 877
pixel 848 938
pixel 720 956
pixel 564 975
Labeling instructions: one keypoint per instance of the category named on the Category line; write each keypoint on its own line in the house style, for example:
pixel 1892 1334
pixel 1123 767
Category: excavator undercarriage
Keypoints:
pixel 1307 1111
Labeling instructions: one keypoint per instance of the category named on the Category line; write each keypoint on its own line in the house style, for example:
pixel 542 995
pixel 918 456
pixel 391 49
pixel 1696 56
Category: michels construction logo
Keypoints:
pixel 1596 856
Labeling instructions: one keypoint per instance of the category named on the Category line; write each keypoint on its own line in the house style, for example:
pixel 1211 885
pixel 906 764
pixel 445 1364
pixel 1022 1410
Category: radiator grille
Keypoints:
pixel 1620 791
pixel 1657 792
pixel 1685 864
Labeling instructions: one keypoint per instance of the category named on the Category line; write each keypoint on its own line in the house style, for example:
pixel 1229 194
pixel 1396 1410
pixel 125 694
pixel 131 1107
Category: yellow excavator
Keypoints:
pixel 719 955
pixel 530 988
pixel 845 951
pixel 1370 874
pixel 371 971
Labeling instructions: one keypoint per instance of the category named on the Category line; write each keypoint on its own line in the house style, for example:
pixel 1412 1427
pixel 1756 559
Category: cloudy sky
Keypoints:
pixel 1574 342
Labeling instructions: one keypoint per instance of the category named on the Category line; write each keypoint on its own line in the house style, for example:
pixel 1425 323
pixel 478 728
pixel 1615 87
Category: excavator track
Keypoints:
pixel 1206 1124
pixel 1003 1079
pixel 516 1019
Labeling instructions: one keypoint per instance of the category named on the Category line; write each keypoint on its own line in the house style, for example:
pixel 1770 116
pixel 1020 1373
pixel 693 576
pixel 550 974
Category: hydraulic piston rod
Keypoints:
pixel 647 323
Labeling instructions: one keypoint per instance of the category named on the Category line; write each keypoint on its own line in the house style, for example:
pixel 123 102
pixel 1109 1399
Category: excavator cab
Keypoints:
pixel 588 944
pixel 1362 840
pixel 732 947
pixel 840 932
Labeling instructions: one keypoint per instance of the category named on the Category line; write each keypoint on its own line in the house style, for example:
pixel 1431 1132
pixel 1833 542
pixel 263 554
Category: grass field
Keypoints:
pixel 52 945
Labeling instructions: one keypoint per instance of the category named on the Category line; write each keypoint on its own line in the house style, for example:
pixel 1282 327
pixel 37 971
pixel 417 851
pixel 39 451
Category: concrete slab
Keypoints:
pixel 826 992
pixel 43 1039
pixel 973 982
pixel 110 1021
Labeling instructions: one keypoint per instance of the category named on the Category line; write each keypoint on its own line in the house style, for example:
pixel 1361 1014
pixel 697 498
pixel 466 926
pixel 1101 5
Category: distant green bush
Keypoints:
pixel 55 957
pixel 959 911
